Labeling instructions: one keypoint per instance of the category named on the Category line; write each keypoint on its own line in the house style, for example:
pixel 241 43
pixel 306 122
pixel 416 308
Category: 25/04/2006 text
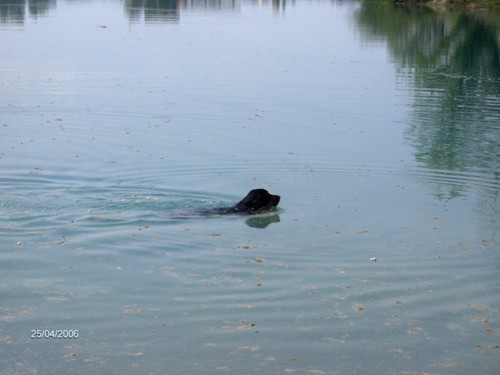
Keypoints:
pixel 54 334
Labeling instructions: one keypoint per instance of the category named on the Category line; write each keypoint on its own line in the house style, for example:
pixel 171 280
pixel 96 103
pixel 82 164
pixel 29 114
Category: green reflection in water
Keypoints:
pixel 453 59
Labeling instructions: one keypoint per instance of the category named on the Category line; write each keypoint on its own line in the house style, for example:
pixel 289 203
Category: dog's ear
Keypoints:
pixel 249 202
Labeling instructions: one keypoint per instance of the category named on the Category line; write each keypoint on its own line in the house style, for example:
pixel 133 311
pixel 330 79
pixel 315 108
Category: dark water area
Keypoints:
pixel 377 124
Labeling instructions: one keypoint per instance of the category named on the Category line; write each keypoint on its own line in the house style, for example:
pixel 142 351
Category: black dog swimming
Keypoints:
pixel 256 201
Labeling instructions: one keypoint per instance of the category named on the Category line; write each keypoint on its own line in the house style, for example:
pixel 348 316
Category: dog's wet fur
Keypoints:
pixel 256 201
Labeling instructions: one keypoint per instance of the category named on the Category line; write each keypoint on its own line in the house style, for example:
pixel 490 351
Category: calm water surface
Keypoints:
pixel 378 125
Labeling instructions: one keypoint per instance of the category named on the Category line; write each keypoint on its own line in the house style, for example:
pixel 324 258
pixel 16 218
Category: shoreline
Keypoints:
pixel 473 5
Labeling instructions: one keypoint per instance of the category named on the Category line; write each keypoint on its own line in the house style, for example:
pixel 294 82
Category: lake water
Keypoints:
pixel 378 125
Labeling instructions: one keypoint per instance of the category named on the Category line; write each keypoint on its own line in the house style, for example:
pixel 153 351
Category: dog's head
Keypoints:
pixel 256 200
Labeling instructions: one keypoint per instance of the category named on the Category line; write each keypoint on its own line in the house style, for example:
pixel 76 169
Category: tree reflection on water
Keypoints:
pixel 453 59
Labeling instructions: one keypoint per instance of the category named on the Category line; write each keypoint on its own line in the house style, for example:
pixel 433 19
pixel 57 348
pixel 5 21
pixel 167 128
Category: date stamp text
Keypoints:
pixel 54 334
